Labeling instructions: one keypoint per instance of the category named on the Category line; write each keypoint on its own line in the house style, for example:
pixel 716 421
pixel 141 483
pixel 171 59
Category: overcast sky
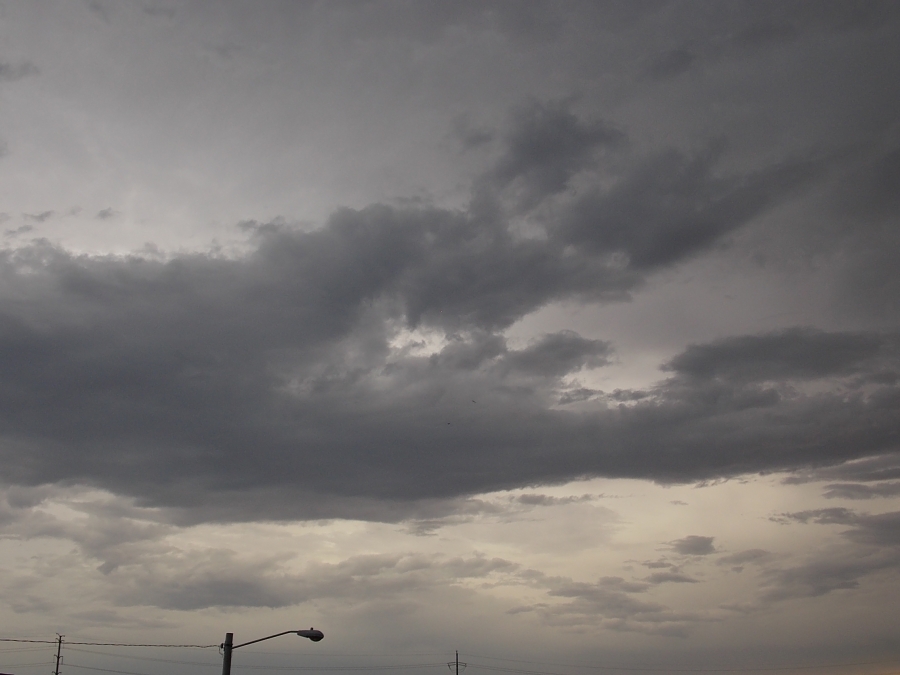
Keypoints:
pixel 557 333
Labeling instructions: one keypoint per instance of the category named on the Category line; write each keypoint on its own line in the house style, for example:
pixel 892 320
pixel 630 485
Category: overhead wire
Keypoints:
pixel 522 671
pixel 26 665
pixel 73 646
pixel 217 664
pixel 111 644
pixel 103 670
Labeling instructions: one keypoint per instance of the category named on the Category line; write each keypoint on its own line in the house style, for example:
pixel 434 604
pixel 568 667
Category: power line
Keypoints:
pixel 44 642
pixel 522 671
pixel 103 670
pixel 404 666
pixel 218 664
pixel 26 665
pixel 111 644
pixel 409 666
pixel 282 668
pixel 128 644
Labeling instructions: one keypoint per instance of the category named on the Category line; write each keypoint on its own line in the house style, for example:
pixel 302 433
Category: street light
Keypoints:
pixel 228 646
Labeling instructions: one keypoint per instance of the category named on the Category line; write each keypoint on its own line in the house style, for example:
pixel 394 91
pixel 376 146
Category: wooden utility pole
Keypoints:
pixel 59 639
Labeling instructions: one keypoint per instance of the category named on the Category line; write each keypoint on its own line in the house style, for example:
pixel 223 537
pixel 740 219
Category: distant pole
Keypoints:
pixel 226 653
pixel 58 652
pixel 456 663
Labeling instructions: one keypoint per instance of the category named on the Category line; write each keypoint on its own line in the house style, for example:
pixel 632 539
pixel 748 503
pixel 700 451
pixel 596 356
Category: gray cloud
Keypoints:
pixel 547 500
pixel 836 515
pixel 670 577
pixel 754 555
pixel 826 575
pixel 862 479
pixel 674 205
pixel 609 603
pixel 874 547
pixel 694 545
pixel 671 63
pixel 559 354
pixel 271 382
pixel 223 579
pixel 869 469
pixel 39 217
pixel 10 72
pixel 154 378
pixel 861 491
pixel 546 146
pixel 793 353
pixel 754 27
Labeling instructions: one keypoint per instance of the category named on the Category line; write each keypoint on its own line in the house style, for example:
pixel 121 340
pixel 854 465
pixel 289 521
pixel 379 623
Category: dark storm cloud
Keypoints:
pixel 674 205
pixel 547 145
pixel 867 208
pixel 283 382
pixel 267 384
pixel 560 353
pixel 800 353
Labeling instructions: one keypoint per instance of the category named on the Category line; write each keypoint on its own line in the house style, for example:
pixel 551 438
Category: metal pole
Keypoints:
pixel 226 653
pixel 58 652
pixel 457 662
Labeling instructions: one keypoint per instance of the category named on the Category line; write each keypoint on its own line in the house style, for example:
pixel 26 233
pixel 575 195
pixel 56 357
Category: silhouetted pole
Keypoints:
pixel 456 663
pixel 58 652
pixel 228 646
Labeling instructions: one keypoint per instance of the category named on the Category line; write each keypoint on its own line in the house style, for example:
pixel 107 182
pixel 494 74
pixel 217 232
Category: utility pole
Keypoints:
pixel 457 664
pixel 226 653
pixel 59 639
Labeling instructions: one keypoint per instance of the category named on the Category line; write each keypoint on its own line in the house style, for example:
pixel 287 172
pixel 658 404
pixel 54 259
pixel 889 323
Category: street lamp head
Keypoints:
pixel 312 634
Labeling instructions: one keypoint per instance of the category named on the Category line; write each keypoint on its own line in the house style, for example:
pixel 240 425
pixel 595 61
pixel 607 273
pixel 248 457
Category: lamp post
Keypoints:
pixel 228 646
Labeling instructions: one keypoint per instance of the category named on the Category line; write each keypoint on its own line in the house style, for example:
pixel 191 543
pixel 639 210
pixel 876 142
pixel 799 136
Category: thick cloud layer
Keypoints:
pixel 286 381
pixel 365 368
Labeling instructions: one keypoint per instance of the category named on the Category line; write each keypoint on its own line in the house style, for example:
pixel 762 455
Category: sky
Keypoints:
pixel 562 334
